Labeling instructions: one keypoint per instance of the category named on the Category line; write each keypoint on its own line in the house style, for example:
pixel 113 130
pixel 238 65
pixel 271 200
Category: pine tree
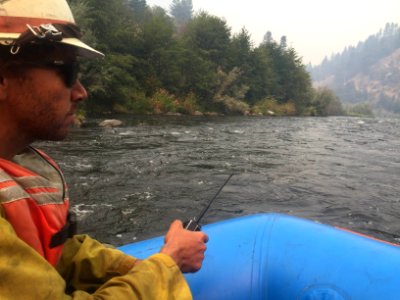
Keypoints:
pixel 182 11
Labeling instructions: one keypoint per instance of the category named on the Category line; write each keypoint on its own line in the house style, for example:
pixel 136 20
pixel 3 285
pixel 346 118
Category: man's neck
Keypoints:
pixel 11 143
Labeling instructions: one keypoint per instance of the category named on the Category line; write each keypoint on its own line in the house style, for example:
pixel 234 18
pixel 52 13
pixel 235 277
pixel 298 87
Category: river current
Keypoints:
pixel 128 183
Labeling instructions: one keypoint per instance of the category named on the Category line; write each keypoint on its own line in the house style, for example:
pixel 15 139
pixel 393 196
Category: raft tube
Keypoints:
pixel 280 257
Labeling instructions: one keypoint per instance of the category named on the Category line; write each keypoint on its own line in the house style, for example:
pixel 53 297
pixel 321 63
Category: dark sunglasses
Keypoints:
pixel 68 70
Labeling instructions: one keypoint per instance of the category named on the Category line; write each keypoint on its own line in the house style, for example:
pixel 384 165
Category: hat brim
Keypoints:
pixel 84 50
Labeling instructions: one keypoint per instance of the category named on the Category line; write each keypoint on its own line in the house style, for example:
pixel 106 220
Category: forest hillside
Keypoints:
pixel 368 73
pixel 185 62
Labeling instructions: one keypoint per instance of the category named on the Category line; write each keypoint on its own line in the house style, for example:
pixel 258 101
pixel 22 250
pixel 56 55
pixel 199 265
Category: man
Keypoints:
pixel 39 93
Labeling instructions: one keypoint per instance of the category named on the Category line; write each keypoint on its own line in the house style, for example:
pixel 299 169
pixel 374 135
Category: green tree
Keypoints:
pixel 209 37
pixel 138 8
pixel 283 43
pixel 154 50
pixel 268 38
pixel 111 82
pixel 151 63
pixel 296 81
pixel 206 40
pixel 271 64
pixel 262 77
pixel 240 55
pixel 110 27
pixel 182 11
pixel 326 103
pixel 229 93
pixel 198 76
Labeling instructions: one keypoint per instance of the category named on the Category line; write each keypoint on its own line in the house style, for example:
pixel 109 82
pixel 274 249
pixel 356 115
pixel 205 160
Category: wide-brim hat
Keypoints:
pixel 41 21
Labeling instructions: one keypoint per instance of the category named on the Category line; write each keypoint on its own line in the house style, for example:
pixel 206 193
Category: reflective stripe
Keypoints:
pixel 18 24
pixel 47 198
pixel 6 184
pixel 12 193
pixel 15 193
pixel 33 181
pixel 26 181
pixel 35 205
pixel 33 186
pixel 4 177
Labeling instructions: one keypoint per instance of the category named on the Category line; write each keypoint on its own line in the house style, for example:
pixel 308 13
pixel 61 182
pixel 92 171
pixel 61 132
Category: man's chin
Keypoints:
pixel 56 135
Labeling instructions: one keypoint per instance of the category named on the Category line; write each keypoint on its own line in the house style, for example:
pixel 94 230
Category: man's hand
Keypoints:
pixel 185 247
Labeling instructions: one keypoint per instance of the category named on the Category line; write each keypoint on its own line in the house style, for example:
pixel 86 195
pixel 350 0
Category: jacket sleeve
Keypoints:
pixel 86 264
pixel 87 271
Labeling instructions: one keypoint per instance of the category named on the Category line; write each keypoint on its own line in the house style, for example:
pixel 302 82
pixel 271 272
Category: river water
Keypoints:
pixel 129 183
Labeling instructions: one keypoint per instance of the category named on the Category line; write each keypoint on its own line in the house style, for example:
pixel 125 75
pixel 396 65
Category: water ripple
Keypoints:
pixel 132 181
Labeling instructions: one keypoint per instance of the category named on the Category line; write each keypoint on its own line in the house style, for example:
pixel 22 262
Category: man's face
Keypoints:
pixel 42 97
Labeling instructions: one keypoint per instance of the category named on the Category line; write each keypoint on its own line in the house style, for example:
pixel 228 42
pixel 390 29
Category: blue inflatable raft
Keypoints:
pixel 279 257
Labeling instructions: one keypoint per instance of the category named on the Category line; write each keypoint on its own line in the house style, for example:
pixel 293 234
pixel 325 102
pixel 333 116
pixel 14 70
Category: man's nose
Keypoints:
pixel 78 92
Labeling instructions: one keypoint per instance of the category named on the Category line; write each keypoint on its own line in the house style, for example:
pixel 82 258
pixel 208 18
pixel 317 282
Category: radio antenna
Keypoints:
pixel 193 224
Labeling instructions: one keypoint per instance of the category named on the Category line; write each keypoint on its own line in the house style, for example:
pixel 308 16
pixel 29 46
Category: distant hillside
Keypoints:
pixel 368 73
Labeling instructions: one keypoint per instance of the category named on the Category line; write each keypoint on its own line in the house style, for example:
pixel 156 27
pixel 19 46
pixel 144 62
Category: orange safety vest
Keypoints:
pixel 34 197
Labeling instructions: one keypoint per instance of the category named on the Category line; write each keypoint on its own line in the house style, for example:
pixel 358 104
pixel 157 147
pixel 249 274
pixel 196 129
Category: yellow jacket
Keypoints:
pixel 87 270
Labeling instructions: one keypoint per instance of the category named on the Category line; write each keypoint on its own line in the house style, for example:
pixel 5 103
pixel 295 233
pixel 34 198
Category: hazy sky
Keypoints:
pixel 314 28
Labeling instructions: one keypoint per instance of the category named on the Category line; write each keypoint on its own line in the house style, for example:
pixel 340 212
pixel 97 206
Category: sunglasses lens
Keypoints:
pixel 67 70
pixel 70 72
